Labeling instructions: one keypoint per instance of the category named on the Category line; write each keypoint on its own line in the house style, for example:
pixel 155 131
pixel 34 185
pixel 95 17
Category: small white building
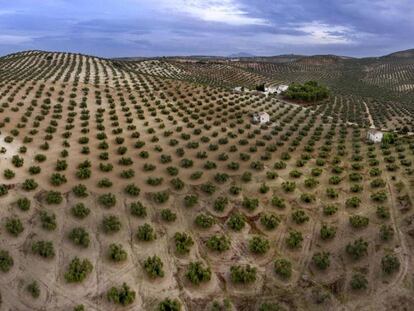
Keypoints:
pixel 375 135
pixel 261 117
pixel 281 88
pixel 276 89
pixel 270 89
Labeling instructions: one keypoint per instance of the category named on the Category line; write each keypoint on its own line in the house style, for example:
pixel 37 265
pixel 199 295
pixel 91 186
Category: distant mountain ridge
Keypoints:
pixel 401 54
pixel 241 54
pixel 323 58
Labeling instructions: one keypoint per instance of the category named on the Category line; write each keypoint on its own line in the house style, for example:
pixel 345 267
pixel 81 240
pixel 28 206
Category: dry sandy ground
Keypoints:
pixel 307 289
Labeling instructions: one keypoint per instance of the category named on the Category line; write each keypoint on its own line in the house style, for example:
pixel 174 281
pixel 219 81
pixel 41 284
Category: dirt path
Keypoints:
pixel 402 252
pixel 371 120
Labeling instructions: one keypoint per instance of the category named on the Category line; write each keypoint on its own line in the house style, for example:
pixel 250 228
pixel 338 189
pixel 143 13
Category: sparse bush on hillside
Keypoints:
pixel 283 268
pixel 121 296
pixel 154 267
pixel 146 233
pixel 78 270
pixel 243 274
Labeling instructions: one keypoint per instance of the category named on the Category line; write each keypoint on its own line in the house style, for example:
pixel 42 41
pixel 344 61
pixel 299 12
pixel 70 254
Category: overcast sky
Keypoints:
pixel 113 28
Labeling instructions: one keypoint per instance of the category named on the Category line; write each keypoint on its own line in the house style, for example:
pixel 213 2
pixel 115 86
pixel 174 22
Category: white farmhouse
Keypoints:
pixel 276 89
pixel 261 117
pixel 270 89
pixel 281 88
pixel 375 135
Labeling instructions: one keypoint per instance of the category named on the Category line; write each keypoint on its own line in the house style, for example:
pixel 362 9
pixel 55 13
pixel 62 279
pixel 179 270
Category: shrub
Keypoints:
pixel 79 236
pixel 311 182
pixel 204 221
pixel 177 184
pixel 17 161
pixel 386 232
pixel 219 243
pixel 289 186
pixel 29 185
pixel 264 188
pixel 23 204
pixel 127 173
pixel 117 253
pixel 335 180
pixel 121 296
pixel 321 260
pixel 80 211
pixel 329 210
pixel 132 190
pixel 294 240
pixel 208 188
pixel 6 261
pixel 138 210
pixel 390 263
pixel 33 170
pixel 83 173
pixel 243 274
pixel 295 174
pixel 250 203
pixel 183 242
pixel 279 165
pixel 146 233
pixel 160 197
pixel 379 196
pixel 197 274
pixel 33 289
pixel 383 212
pixel 358 282
pixel 111 224
pixel 78 270
pixel 316 172
pixel 259 245
pixel 190 200
pixel 104 183
pixel 48 220
pixel 107 200
pixel 169 305
pixel 14 226
pixel 299 216
pixel 356 188
pixel 61 165
pixel 153 266
pixel 54 197
pixel 353 202
pixel 269 221
pixel 234 190
pixel 236 222
pixel 8 174
pixel 283 268
pixel 196 175
pixel 80 191
pixel 168 215
pixel 44 249
pixel 3 190
pixel 357 249
pixel 278 202
pixel 246 177
pixel 220 204
pixel 377 183
pixel 358 221
pixel 267 306
pixel 331 193
pixel 327 232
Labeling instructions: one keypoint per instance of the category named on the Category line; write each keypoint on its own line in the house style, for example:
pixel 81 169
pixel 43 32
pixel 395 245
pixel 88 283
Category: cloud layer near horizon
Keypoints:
pixel 210 27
